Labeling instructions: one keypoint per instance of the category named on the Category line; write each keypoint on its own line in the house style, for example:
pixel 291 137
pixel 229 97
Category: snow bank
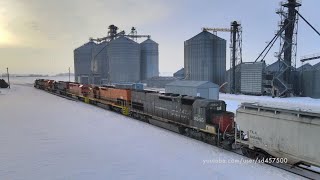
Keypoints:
pixel 294 103
pixel 43 136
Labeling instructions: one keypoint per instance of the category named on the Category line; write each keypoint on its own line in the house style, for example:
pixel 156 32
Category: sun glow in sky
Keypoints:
pixel 6 38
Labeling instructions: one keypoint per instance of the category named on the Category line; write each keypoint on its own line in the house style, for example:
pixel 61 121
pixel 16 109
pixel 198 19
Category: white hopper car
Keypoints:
pixel 281 133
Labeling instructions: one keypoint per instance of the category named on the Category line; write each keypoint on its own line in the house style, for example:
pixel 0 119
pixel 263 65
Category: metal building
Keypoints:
pixel 149 59
pixel 203 89
pixel 205 58
pixel 252 78
pixel 82 62
pixel 124 60
pixel 159 82
pixel 136 86
pixel 179 74
pixel 311 83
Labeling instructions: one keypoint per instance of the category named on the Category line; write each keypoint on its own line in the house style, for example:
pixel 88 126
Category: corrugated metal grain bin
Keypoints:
pixel 82 60
pixel 203 89
pixel 251 75
pixel 205 58
pixel 149 59
pixel 179 74
pixel 84 79
pixel 124 60
pixel 99 64
pixel 282 133
pixel 96 79
pixel 311 83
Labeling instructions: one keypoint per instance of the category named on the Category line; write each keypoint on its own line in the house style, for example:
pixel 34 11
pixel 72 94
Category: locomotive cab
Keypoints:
pixel 211 116
pixel 208 113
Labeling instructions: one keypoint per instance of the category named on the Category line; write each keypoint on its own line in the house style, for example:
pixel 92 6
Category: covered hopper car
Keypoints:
pixel 275 132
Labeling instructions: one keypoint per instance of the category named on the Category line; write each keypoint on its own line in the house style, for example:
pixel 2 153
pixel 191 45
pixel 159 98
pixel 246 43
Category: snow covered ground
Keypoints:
pixel 43 136
pixel 30 80
pixel 296 103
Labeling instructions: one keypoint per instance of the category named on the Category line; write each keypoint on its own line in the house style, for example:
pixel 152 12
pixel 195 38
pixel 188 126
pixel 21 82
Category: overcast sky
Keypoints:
pixel 39 36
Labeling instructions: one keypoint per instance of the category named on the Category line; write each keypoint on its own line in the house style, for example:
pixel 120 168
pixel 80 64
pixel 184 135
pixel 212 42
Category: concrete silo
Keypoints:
pixel 205 58
pixel 149 59
pixel 123 56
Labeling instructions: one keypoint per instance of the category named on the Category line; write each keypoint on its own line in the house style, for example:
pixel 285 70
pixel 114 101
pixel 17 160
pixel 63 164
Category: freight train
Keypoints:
pixel 259 132
pixel 202 119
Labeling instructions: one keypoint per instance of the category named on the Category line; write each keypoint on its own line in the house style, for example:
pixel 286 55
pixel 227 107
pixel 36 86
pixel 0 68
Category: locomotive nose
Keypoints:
pixel 225 121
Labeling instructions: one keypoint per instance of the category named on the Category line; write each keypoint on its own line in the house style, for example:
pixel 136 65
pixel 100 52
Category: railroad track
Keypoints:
pixel 298 170
pixel 63 96
pixel 301 171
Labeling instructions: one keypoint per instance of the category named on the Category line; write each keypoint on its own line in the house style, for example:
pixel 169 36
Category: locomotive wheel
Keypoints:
pixel 182 130
pixel 260 156
pixel 226 145
pixel 245 151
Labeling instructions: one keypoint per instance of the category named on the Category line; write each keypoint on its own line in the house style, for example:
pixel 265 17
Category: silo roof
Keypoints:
pixel 123 39
pixel 188 83
pixel 180 72
pixel 317 66
pixel 149 41
pixel 86 44
pixel 276 66
pixel 306 67
pixel 205 35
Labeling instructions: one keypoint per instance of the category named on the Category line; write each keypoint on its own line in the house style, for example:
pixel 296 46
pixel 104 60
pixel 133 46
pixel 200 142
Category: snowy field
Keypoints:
pixel 30 80
pixel 43 136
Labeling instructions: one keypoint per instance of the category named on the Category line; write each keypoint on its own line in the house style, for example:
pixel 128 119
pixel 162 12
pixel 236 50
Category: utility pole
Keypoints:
pixel 69 74
pixel 8 77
